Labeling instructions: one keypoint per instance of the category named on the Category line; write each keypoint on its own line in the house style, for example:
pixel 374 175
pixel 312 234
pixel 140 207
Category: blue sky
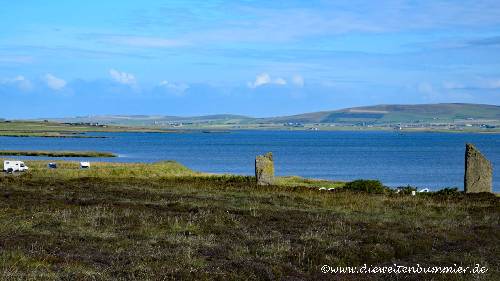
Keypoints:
pixel 258 58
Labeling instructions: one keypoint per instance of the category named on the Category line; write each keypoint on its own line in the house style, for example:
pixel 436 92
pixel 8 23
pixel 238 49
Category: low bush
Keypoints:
pixel 406 189
pixel 370 186
pixel 448 191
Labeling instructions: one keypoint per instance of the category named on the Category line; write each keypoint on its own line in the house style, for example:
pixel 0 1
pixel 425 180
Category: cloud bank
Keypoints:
pixel 122 77
pixel 264 79
pixel 54 82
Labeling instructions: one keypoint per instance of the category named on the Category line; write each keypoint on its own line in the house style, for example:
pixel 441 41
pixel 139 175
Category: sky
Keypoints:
pixel 258 58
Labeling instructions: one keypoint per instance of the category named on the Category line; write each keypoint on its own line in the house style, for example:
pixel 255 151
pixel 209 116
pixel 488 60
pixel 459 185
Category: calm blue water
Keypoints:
pixel 432 160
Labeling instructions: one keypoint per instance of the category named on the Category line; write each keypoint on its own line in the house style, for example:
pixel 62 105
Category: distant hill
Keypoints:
pixel 397 113
pixel 142 120
pixel 377 114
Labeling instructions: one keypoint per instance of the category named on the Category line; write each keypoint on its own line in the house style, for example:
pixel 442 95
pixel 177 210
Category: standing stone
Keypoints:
pixel 264 169
pixel 478 171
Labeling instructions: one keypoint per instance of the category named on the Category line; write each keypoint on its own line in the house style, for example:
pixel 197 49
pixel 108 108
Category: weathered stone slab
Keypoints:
pixel 264 169
pixel 478 171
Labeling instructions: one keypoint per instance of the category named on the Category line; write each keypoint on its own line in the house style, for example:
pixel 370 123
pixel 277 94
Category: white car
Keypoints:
pixel 10 166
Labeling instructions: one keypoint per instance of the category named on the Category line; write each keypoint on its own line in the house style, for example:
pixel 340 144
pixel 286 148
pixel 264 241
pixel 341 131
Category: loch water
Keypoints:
pixel 433 160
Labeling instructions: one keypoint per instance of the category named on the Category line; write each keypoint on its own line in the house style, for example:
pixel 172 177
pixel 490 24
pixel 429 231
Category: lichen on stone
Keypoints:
pixel 478 171
pixel 264 169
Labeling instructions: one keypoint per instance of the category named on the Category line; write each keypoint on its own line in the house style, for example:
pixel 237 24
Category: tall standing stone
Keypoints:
pixel 478 171
pixel 264 169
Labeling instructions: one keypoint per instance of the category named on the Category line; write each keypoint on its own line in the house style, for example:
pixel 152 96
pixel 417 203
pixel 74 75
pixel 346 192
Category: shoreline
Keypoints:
pixel 43 153
pixel 332 129
pixel 64 130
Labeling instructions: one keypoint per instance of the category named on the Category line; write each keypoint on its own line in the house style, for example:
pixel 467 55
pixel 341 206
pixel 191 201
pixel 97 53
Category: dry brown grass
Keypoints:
pixel 176 224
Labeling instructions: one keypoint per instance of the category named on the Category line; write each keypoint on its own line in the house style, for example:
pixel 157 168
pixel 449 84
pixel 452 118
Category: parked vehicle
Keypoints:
pixel 84 165
pixel 10 166
pixel 52 165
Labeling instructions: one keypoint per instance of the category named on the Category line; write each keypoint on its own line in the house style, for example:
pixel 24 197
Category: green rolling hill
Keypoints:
pixel 376 115
pixel 146 120
pixel 445 112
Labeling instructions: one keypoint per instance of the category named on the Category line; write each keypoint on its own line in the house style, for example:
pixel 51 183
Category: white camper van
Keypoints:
pixel 10 166
pixel 84 165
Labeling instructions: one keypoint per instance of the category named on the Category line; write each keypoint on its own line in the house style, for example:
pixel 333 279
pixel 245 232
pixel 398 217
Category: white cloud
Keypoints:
pixel 260 80
pixel 264 78
pixel 279 81
pixel 177 88
pixel 122 77
pixel 298 80
pixel 19 81
pixel 54 82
